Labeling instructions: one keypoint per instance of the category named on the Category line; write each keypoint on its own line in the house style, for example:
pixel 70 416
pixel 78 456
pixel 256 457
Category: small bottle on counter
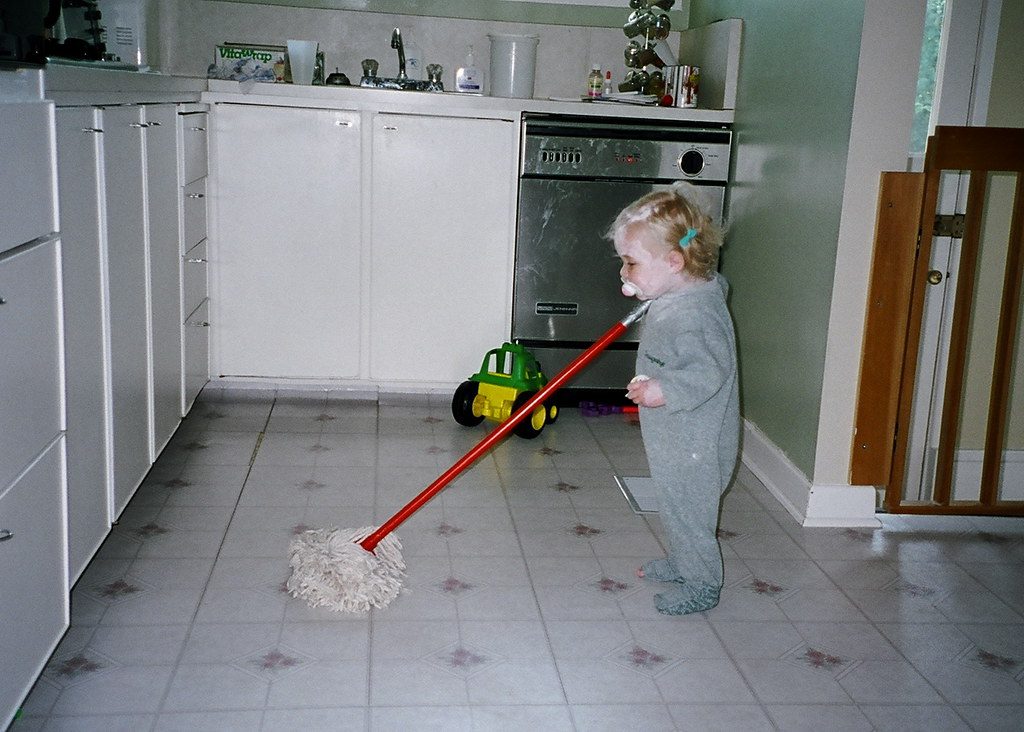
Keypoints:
pixel 467 78
pixel 607 91
pixel 594 81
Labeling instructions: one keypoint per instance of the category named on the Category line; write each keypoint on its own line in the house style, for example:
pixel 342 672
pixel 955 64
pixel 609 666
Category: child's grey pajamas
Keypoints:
pixel 688 344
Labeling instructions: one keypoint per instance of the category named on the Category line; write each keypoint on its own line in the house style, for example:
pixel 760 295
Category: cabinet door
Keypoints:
pixel 26 173
pixel 162 190
pixel 285 261
pixel 197 350
pixel 443 211
pixel 86 340
pixel 192 136
pixel 127 259
pixel 33 575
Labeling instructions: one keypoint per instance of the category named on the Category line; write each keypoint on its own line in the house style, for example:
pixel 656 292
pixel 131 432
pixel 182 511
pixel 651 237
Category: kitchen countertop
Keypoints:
pixel 448 103
pixel 71 85
pixel 78 85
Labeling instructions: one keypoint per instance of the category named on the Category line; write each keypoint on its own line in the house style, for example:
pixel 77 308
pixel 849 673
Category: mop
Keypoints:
pixel 352 570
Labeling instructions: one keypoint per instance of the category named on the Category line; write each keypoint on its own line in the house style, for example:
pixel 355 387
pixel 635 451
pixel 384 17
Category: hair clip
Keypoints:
pixel 687 238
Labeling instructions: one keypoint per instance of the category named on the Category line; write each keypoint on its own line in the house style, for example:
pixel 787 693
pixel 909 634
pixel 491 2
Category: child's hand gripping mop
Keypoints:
pixel 354 569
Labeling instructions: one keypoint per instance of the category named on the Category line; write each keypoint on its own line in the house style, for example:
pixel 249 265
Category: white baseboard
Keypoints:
pixel 841 505
pixel 770 465
pixel 334 389
pixel 809 504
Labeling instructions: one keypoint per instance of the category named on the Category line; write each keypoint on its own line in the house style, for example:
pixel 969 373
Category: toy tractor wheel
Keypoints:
pixel 533 424
pixel 552 412
pixel 462 404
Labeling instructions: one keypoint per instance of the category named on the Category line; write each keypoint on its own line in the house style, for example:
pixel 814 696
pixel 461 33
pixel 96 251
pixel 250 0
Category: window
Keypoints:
pixel 926 75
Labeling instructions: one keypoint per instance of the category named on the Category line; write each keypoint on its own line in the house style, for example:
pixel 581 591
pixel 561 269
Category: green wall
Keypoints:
pixel 798 71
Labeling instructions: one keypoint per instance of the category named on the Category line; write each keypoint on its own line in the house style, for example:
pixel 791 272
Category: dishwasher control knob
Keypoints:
pixel 691 162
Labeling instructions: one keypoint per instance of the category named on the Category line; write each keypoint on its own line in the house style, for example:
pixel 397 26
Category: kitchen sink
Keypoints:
pixel 382 82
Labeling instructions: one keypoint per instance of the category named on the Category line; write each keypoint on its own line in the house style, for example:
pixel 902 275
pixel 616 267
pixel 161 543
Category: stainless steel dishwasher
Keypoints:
pixel 577 173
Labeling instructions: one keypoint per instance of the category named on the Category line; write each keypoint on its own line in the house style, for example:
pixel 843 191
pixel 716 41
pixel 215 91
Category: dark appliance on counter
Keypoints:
pixel 23 31
pixel 82 35
pixel 577 173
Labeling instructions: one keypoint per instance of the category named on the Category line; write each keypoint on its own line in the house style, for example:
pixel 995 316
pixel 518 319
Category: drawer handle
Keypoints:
pixel 96 130
pixel 197 195
pixel 6 534
pixel 196 261
pixel 155 124
pixel 138 125
pixel 198 129
pixel 342 123
pixel 390 127
pixel 198 324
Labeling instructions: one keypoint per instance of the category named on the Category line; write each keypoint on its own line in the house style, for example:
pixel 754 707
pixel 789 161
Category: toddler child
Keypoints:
pixel 686 384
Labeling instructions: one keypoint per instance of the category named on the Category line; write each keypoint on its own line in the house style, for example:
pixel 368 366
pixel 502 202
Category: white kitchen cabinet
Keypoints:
pixel 87 340
pixel 31 358
pixel 196 329
pixel 194 282
pixel 442 232
pixel 126 213
pixel 129 301
pixel 285 261
pixel 193 123
pixel 33 574
pixel 28 199
pixel 162 198
pixel 30 365
pixel 34 609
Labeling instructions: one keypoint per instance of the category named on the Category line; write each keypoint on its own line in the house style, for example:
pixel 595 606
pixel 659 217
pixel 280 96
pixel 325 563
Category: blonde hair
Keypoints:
pixel 671 214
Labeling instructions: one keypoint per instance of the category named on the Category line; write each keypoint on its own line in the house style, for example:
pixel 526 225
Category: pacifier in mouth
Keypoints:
pixel 630 289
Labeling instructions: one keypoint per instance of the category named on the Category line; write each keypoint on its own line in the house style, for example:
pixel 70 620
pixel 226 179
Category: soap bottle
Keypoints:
pixel 607 91
pixel 594 81
pixel 467 78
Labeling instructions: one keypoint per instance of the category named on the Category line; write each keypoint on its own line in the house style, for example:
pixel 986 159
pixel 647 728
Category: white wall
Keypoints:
pixel 189 30
pixel 879 141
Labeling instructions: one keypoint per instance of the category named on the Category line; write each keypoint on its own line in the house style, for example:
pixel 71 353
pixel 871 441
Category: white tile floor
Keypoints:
pixel 524 611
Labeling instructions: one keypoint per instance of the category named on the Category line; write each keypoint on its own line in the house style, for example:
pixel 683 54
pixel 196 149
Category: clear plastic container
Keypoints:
pixel 513 61
pixel 595 81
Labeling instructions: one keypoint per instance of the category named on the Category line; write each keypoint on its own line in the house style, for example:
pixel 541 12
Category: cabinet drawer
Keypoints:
pixel 193 146
pixel 26 175
pixel 194 212
pixel 33 575
pixel 31 355
pixel 197 353
pixel 194 279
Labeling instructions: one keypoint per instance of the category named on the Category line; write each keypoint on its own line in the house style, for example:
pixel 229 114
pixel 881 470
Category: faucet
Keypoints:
pixel 396 42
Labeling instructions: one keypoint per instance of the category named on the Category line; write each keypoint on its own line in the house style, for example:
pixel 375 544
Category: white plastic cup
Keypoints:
pixel 302 60
pixel 513 63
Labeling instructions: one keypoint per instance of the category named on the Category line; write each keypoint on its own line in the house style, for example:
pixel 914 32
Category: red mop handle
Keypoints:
pixel 496 435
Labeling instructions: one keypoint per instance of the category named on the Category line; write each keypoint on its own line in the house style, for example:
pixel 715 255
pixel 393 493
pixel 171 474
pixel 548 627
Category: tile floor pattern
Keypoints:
pixel 524 611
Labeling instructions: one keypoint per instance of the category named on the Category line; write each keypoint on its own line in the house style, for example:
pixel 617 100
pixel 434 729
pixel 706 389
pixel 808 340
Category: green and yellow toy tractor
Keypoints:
pixel 508 377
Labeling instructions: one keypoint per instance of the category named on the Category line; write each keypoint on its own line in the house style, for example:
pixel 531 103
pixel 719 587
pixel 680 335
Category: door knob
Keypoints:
pixel 934 277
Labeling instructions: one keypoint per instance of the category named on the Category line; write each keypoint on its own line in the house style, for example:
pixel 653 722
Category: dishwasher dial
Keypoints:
pixel 691 162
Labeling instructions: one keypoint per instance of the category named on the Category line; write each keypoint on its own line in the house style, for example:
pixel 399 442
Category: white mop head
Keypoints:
pixel 331 569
